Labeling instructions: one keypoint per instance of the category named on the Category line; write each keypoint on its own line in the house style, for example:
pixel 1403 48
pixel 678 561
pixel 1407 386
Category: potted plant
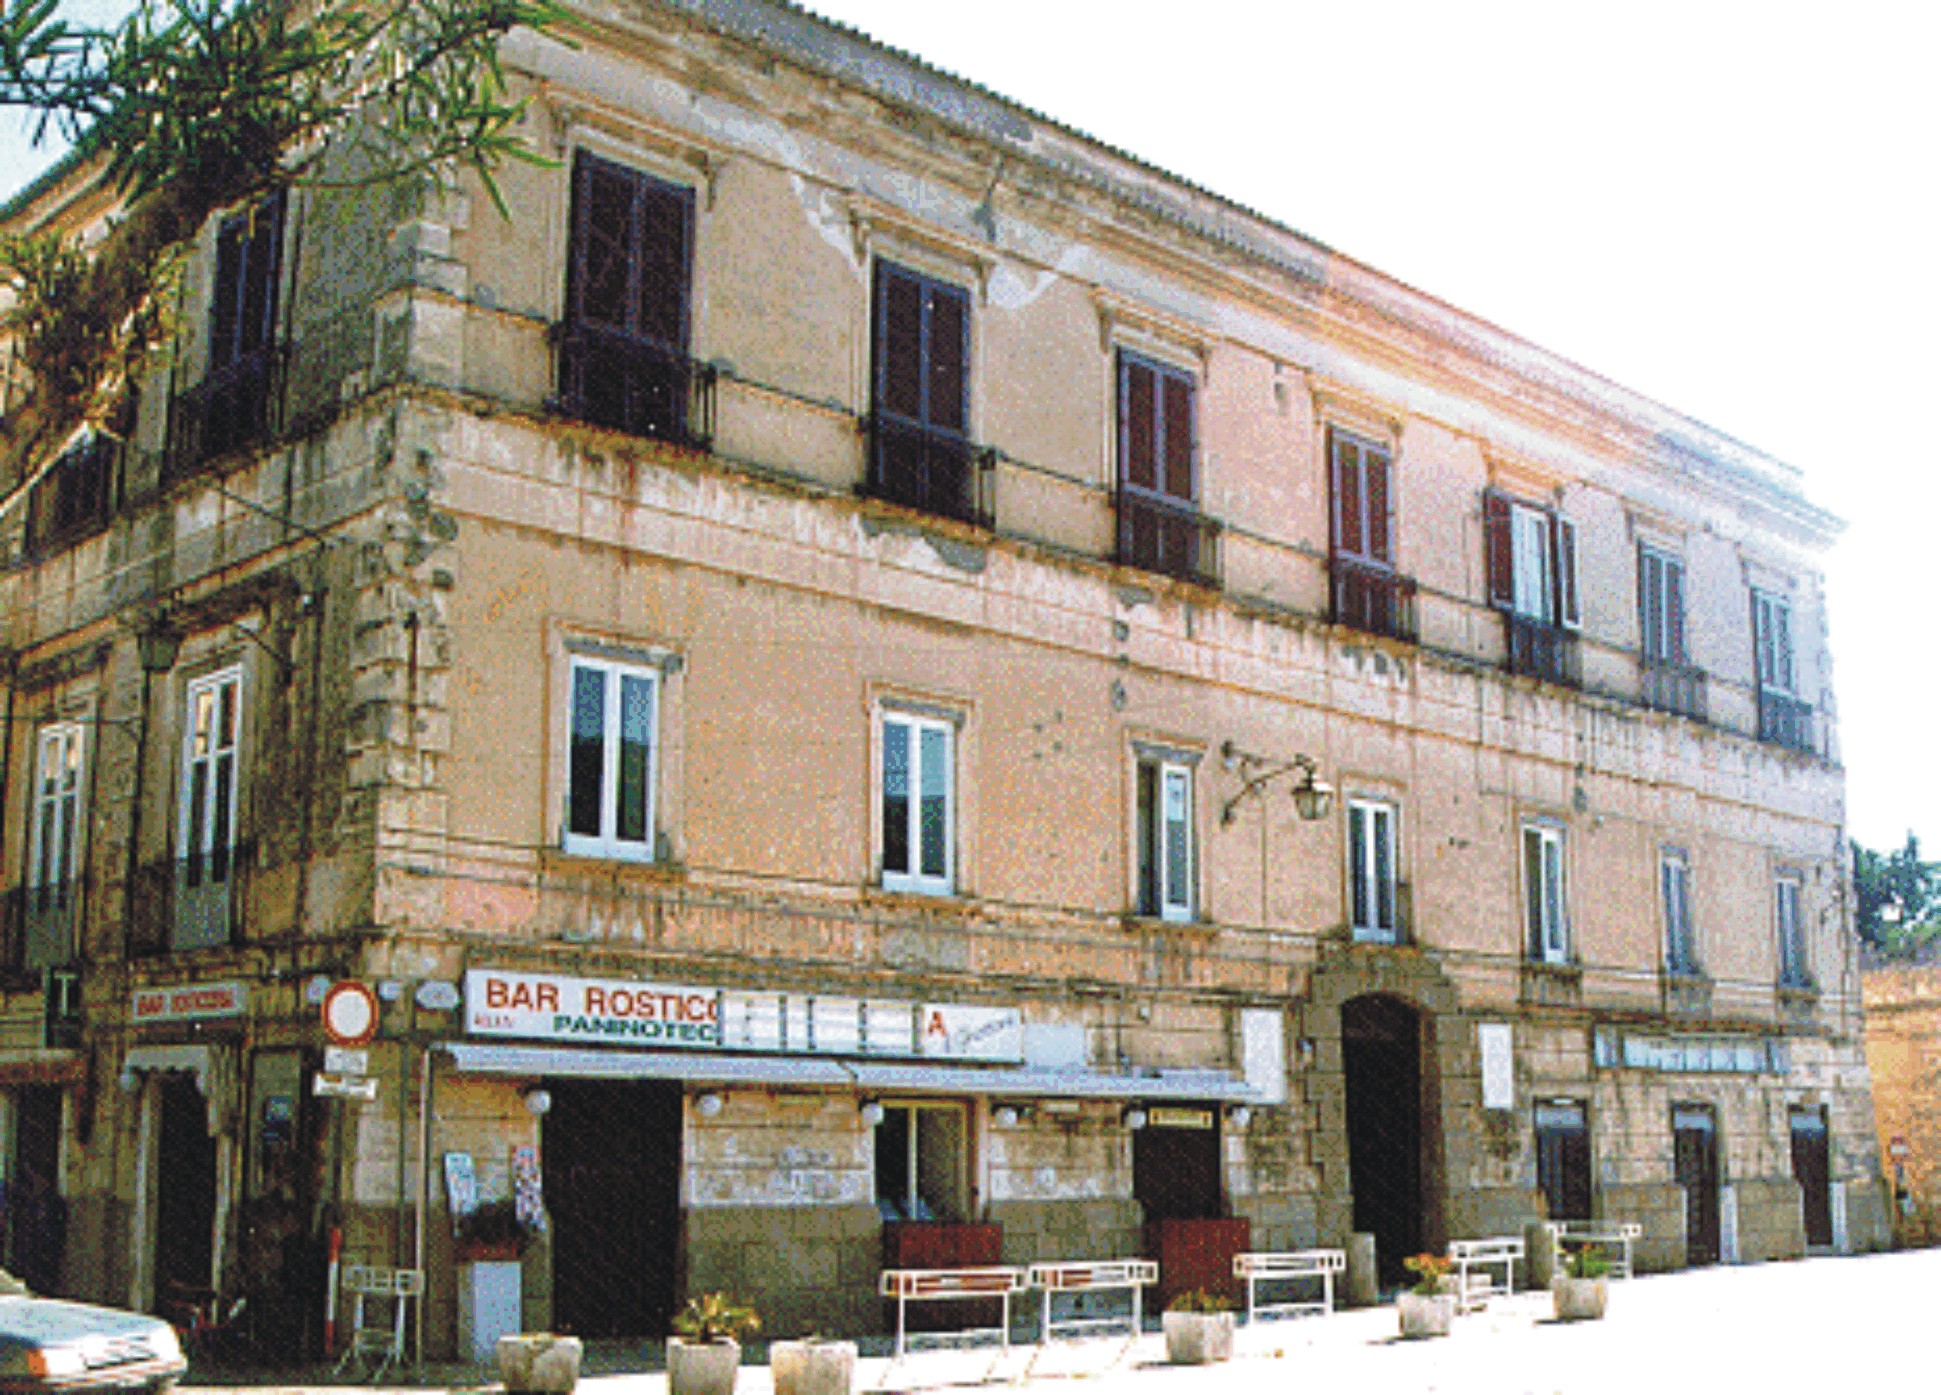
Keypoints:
pixel 1199 1328
pixel 813 1365
pixel 494 1231
pixel 539 1363
pixel 1427 1308
pixel 705 1350
pixel 1584 1288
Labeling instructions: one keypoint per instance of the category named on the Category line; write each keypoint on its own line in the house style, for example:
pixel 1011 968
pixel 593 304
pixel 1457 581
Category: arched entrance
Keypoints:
pixel 1381 1051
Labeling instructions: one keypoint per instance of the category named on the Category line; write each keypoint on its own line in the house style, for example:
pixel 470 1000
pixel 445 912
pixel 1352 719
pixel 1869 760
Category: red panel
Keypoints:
pixel 1197 1254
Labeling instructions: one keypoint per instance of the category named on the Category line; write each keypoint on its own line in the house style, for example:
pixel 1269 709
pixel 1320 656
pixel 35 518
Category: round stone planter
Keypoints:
pixel 538 1363
pixel 1195 1339
pixel 813 1368
pixel 702 1368
pixel 1424 1315
pixel 1579 1300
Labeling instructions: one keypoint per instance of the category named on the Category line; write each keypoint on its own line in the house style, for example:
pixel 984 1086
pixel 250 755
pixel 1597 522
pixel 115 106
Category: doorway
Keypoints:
pixel 1812 1169
pixel 1381 1054
pixel 1564 1160
pixel 36 1214
pixel 1176 1164
pixel 610 1154
pixel 1695 1152
pixel 185 1193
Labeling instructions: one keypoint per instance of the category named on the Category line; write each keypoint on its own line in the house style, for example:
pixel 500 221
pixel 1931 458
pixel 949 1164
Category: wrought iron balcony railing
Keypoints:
pixel 190 903
pixel 76 498
pixel 1159 533
pixel 1372 599
pixel 1537 650
pixel 1674 688
pixel 235 406
pixel 1786 721
pixel 936 471
pixel 612 379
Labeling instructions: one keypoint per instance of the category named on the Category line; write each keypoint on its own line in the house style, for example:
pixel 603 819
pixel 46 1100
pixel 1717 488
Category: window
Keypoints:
pixel 1661 606
pixel 1783 718
pixel 1532 575
pixel 206 824
pixel 74 500
pixel 922 1163
pixel 232 407
pixel 1791 927
pixel 623 353
pixel 919 820
pixel 1543 890
pixel 53 843
pixel 1675 889
pixel 920 449
pixel 610 759
pixel 1371 871
pixel 1166 839
pixel 1367 593
pixel 1160 526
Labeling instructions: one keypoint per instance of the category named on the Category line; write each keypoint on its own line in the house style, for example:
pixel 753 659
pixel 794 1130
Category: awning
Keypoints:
pixel 34 1065
pixel 910 1077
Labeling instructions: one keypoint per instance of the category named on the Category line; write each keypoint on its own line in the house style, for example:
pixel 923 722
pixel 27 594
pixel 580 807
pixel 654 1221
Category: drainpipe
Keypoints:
pixel 424 1195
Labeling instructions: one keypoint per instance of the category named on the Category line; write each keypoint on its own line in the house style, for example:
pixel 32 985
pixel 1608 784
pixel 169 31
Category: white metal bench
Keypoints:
pixel 1288 1267
pixel 379 1341
pixel 1477 1263
pixel 1091 1276
pixel 1615 1238
pixel 909 1286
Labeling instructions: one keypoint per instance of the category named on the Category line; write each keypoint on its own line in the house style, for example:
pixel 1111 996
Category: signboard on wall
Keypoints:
pixel 552 1007
pixel 188 1002
pixel 1494 1045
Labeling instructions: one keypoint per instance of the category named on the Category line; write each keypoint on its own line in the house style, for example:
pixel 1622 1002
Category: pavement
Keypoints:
pixel 1810 1326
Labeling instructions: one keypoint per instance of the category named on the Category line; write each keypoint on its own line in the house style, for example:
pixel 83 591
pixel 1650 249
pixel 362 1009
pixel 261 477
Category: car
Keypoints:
pixel 50 1344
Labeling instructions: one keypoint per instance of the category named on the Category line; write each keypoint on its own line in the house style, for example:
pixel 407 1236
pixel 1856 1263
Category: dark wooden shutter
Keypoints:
pixel 1498 550
pixel 1674 601
pixel 1380 506
pixel 1563 541
pixel 1178 426
pixel 1138 436
pixel 600 269
pixel 947 347
pixel 899 343
pixel 1347 512
pixel 665 220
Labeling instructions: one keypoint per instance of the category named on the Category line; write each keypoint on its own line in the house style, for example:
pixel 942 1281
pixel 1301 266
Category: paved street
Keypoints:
pixel 1776 1327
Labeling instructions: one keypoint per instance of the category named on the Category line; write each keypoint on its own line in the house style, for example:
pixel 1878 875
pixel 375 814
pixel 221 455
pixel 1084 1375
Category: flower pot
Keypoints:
pixel 1425 1315
pixel 1579 1300
pixel 702 1368
pixel 538 1363
pixel 813 1367
pixel 1194 1339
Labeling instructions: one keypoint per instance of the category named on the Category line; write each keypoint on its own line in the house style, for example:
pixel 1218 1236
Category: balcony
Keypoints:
pixel 1675 688
pixel 75 499
pixel 39 925
pixel 189 903
pixel 1159 533
pixel 1786 721
pixel 612 379
pixel 1536 650
pixel 235 406
pixel 937 472
pixel 1372 599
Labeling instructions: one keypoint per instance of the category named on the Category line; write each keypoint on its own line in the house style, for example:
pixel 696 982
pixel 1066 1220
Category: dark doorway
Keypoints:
pixel 36 1214
pixel 610 1154
pixel 1564 1160
pixel 1176 1164
pixel 185 1194
pixel 1812 1170
pixel 1695 1148
pixel 1381 1054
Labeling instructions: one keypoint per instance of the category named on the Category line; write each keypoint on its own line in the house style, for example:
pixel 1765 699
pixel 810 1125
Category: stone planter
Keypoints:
pixel 538 1363
pixel 813 1367
pixel 1579 1300
pixel 702 1368
pixel 1195 1339
pixel 1425 1316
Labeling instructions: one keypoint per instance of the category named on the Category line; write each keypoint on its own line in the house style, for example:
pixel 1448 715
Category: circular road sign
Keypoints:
pixel 349 1013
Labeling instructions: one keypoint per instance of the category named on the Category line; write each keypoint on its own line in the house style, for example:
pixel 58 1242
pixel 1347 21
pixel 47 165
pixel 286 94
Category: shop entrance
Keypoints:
pixel 1695 1152
pixel 1564 1160
pixel 185 1193
pixel 610 1152
pixel 1812 1170
pixel 35 1214
pixel 1176 1164
pixel 1381 1050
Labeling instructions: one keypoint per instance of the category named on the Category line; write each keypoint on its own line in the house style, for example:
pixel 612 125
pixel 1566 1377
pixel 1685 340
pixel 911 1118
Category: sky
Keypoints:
pixel 1734 208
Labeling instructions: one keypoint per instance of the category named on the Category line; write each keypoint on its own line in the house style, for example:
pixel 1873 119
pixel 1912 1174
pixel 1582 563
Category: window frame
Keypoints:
pixel 1775 657
pixel 1663 634
pixel 915 880
pixel 1530 556
pixel 1369 459
pixel 1680 923
pixel 607 843
pixel 1547 936
pixel 1364 855
pixel 192 843
pixel 1173 900
pixel 71 736
pixel 964 1202
pixel 1789 930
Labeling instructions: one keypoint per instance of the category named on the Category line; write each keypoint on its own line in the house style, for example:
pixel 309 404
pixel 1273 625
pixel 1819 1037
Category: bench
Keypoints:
pixel 909 1286
pixel 1288 1267
pixel 1477 1262
pixel 1091 1276
pixel 1615 1238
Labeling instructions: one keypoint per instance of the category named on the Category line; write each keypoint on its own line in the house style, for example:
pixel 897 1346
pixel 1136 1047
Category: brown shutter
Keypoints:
pixel 1563 537
pixel 899 343
pixel 1179 428
pixel 1137 411
pixel 948 341
pixel 1499 558
pixel 666 218
pixel 1381 506
pixel 1346 514
pixel 603 249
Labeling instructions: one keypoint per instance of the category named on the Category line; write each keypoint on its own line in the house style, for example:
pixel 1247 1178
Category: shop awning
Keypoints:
pixel 33 1065
pixel 908 1077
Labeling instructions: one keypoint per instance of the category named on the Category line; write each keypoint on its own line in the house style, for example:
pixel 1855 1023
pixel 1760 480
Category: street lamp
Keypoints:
pixel 1313 796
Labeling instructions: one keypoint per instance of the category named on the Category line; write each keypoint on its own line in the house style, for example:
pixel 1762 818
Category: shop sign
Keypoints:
pixel 350 1087
pixel 551 1007
pixel 189 1002
pixel 960 1032
pixel 1162 1116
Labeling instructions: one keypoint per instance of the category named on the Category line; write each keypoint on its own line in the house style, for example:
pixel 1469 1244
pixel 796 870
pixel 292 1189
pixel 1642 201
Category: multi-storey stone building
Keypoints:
pixel 811 627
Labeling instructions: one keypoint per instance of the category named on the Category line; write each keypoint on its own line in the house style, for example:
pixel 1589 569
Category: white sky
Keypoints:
pixel 1734 208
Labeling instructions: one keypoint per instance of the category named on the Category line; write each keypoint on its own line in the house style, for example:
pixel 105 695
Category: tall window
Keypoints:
pixel 920 449
pixel 1160 527
pixel 1532 575
pixel 1371 871
pixel 205 847
pixel 610 759
pixel 53 849
pixel 917 806
pixel 922 1163
pixel 1675 890
pixel 623 360
pixel 1661 606
pixel 1165 839
pixel 232 407
pixel 1772 633
pixel 1791 928
pixel 1367 593
pixel 1545 921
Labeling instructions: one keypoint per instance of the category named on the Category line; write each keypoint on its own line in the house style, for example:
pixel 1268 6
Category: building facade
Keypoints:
pixel 867 680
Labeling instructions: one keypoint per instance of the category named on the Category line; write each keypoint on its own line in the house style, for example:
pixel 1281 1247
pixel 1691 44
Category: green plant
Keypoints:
pixel 1200 1300
pixel 495 1225
pixel 1429 1270
pixel 715 1317
pixel 1586 1261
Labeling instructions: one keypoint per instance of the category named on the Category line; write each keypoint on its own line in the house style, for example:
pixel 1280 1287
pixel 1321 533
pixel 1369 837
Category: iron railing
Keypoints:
pixel 39 925
pixel 1159 533
pixel 189 903
pixel 1786 721
pixel 234 407
pixel 936 471
pixel 1536 650
pixel 1675 688
pixel 1373 599
pixel 75 499
pixel 613 379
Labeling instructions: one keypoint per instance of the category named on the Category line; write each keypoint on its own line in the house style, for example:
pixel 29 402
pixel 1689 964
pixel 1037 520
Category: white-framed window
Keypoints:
pixel 1661 605
pixel 1675 894
pixel 923 1162
pixel 610 758
pixel 1790 926
pixel 918 803
pixel 1372 877
pixel 1772 634
pixel 1165 814
pixel 1545 922
pixel 54 846
pixel 1531 560
pixel 211 749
